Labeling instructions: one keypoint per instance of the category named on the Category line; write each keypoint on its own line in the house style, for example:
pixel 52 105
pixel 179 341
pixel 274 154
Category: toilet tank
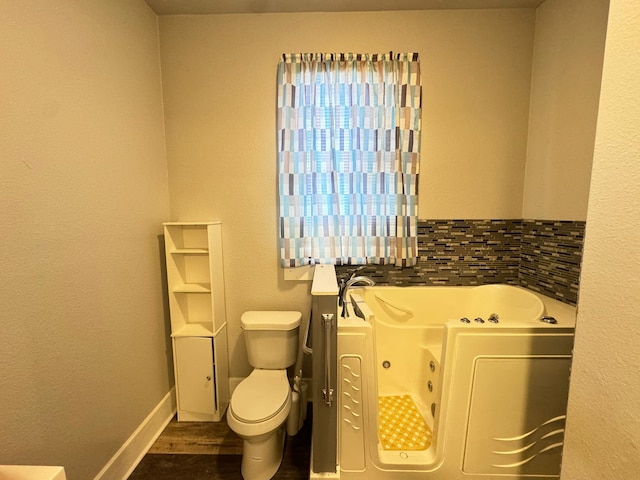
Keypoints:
pixel 271 338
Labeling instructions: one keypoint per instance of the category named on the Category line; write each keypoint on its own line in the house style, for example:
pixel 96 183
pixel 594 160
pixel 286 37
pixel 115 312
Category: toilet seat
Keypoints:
pixel 261 396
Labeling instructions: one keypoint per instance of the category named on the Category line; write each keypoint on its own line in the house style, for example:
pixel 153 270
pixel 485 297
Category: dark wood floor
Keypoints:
pixel 211 451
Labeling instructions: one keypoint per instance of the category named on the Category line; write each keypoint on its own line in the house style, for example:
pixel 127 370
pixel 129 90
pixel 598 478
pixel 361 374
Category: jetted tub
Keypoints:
pixel 483 372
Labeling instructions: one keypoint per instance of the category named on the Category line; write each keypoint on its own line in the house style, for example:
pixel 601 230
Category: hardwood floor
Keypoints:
pixel 210 450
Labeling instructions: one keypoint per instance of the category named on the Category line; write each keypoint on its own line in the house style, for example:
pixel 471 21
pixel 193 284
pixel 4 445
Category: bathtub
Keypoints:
pixel 479 375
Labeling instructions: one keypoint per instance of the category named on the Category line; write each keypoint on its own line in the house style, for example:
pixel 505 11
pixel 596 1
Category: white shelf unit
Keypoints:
pixel 195 278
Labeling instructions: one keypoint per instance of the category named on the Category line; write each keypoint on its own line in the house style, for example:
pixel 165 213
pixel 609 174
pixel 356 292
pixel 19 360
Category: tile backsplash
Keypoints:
pixel 550 258
pixel 541 255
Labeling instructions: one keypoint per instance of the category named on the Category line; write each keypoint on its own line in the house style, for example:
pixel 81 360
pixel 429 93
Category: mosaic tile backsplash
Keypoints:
pixel 541 255
pixel 551 257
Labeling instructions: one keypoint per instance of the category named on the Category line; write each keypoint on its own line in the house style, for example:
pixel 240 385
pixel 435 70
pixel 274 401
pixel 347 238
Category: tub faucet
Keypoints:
pixel 361 280
pixel 342 282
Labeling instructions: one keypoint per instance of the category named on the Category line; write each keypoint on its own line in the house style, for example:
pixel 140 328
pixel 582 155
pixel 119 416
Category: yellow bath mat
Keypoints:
pixel 400 424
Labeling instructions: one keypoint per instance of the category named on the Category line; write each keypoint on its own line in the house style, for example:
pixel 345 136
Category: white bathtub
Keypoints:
pixel 419 306
pixel 489 378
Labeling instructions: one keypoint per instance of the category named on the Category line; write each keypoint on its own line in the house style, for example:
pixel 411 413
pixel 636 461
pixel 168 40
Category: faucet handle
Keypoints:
pixel 357 270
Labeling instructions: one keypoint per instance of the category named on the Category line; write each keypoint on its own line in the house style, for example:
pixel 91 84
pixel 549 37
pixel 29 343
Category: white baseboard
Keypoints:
pixel 127 458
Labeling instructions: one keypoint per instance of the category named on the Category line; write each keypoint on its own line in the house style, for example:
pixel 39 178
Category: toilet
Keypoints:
pixel 261 402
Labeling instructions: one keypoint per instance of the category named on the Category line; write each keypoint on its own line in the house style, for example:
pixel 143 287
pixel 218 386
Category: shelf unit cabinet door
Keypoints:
pixel 195 380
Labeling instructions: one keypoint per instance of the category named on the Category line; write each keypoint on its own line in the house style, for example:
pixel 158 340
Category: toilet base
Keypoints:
pixel 262 455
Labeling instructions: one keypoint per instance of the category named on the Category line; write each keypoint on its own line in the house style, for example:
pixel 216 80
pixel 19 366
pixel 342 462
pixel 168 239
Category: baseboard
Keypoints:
pixel 130 454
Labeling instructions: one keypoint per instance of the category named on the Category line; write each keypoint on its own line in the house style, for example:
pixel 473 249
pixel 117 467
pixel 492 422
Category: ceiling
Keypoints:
pixel 208 7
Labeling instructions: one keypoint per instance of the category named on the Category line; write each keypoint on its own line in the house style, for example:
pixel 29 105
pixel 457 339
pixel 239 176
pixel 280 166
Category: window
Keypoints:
pixel 348 129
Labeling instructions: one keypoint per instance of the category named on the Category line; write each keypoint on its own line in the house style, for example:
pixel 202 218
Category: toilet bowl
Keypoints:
pixel 261 403
pixel 257 413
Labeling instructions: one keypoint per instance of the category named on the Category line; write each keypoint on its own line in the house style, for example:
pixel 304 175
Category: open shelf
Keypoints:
pixel 190 251
pixel 193 288
pixel 194 330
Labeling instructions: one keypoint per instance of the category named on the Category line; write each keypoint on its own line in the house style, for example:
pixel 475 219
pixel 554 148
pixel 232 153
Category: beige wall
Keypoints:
pixel 219 91
pixel 604 420
pixel 83 192
pixel 567 68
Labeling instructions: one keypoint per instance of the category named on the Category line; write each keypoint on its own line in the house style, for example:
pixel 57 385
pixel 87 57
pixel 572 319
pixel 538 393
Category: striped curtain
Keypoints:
pixel 348 128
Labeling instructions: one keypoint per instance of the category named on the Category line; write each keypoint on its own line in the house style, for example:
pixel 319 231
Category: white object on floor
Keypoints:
pixel 31 472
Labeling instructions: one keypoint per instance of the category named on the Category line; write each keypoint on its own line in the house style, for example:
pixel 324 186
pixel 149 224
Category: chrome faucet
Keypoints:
pixel 353 281
pixel 342 282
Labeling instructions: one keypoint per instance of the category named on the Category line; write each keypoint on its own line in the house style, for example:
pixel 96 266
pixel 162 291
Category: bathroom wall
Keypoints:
pixel 83 190
pixel 565 87
pixel 218 77
pixel 603 420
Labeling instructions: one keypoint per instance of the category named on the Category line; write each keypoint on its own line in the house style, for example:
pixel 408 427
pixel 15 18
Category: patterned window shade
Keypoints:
pixel 348 129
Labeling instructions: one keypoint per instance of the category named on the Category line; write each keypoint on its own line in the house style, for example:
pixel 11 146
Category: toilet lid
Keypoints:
pixel 260 396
